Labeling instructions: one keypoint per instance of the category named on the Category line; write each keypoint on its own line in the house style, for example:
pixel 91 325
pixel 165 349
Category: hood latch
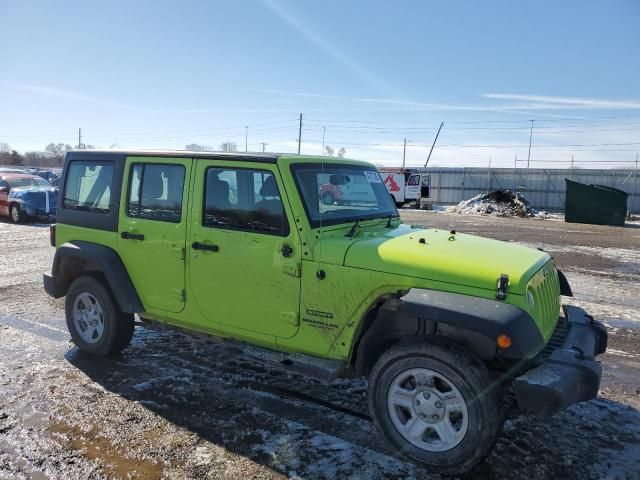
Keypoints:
pixel 503 284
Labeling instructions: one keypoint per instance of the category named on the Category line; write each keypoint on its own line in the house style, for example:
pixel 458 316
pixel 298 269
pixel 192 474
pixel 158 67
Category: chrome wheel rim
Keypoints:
pixel 88 318
pixel 427 410
pixel 15 214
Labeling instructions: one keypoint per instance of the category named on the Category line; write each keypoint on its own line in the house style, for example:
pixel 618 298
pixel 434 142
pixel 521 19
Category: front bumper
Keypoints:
pixel 567 374
pixel 40 213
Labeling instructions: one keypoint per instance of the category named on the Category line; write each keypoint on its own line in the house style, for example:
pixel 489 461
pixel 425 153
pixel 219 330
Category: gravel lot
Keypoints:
pixel 178 407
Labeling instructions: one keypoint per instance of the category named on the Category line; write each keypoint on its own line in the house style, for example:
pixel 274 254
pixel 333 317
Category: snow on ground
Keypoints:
pixel 501 203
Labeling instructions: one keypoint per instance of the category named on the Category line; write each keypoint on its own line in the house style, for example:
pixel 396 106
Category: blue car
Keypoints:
pixel 25 197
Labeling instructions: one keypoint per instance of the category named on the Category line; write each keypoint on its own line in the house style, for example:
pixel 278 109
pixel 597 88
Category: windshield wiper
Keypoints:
pixel 388 225
pixel 354 228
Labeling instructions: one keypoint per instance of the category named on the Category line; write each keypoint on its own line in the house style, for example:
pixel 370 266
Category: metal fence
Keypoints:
pixel 544 188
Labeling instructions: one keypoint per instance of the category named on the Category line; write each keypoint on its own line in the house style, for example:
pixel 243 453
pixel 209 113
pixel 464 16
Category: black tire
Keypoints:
pixel 117 326
pixel 473 381
pixel 16 214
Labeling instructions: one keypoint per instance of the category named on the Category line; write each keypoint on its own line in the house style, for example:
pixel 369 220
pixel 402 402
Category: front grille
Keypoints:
pixel 38 200
pixel 544 286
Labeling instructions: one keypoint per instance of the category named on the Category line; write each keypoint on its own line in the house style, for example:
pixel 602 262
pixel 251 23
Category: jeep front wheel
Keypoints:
pixel 435 404
pixel 95 322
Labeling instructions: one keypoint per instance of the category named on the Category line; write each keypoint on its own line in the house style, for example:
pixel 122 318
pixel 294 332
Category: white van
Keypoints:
pixel 403 187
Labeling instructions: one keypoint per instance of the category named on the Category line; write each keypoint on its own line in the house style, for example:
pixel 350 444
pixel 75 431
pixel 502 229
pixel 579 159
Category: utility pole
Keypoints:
pixel 79 138
pixel 264 144
pixel 515 167
pixel 404 152
pixel 299 134
pixel 633 191
pixel 530 138
pixel 433 145
pixel 246 137
pixel 324 130
pixel 489 177
pixel 571 176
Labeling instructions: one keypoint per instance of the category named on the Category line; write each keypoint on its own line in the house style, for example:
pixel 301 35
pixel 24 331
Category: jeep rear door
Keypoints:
pixel 153 228
pixel 244 254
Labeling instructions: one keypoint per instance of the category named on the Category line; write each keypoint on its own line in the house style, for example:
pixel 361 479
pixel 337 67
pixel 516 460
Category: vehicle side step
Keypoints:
pixel 320 369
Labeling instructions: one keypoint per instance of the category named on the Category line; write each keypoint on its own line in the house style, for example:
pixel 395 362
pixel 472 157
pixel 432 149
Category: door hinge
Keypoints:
pixel 292 318
pixel 180 252
pixel 292 269
pixel 180 294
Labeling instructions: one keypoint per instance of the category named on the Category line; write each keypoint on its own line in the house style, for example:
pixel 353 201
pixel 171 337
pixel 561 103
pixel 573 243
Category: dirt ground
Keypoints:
pixel 177 407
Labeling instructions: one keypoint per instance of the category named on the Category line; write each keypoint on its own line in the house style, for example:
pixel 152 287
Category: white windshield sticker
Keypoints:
pixel 373 177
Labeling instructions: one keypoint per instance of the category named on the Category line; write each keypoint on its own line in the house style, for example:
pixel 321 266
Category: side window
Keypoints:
pixel 414 180
pixel 243 199
pixel 88 186
pixel 155 192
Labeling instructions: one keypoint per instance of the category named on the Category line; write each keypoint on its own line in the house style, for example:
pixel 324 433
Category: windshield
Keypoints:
pixel 28 182
pixel 334 193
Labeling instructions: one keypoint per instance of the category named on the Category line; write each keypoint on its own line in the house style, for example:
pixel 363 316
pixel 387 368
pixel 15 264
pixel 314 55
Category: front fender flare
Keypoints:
pixel 488 317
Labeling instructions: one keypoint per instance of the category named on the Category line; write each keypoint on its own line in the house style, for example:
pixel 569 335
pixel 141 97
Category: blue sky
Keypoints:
pixel 159 74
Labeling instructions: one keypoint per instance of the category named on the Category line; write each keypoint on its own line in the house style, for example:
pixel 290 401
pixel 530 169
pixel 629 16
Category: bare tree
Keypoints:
pixel 329 150
pixel 39 159
pixel 341 152
pixel 194 147
pixel 9 156
pixel 229 146
pixel 57 151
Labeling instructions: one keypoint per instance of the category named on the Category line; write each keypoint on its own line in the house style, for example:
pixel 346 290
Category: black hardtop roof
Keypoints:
pixel 122 154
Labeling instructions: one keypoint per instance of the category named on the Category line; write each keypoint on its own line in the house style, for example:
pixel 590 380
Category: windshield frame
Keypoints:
pixel 295 167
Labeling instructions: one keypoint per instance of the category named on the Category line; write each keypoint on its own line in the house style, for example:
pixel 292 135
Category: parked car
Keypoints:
pixel 448 327
pixel 48 174
pixel 25 196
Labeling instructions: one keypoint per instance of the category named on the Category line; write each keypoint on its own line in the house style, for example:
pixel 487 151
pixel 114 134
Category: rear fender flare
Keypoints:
pixel 74 258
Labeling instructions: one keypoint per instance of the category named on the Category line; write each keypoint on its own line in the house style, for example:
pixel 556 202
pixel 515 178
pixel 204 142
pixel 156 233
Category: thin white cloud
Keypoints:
pixel 63 94
pixel 399 104
pixel 327 47
pixel 544 101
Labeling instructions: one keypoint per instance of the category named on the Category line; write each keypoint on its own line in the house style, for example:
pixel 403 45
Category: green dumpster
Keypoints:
pixel 596 204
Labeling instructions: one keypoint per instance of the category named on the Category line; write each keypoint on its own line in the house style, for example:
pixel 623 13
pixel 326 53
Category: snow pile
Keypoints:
pixel 501 203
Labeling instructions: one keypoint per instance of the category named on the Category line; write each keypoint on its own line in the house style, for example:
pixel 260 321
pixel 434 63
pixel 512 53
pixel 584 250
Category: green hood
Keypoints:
pixel 460 259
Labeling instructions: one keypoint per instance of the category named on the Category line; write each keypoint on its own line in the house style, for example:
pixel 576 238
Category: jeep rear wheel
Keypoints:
pixel 436 405
pixel 95 322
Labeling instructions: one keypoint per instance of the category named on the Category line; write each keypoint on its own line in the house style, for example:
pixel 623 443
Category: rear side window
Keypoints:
pixel 88 187
pixel 155 192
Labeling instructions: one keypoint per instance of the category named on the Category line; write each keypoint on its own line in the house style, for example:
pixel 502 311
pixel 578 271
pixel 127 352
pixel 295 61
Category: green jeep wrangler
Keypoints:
pixel 449 328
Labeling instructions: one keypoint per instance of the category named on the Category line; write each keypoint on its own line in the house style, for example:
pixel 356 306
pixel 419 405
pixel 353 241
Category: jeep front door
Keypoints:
pixel 244 256
pixel 153 227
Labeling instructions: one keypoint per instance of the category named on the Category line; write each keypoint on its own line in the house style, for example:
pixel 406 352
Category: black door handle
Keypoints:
pixel 205 246
pixel 132 236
